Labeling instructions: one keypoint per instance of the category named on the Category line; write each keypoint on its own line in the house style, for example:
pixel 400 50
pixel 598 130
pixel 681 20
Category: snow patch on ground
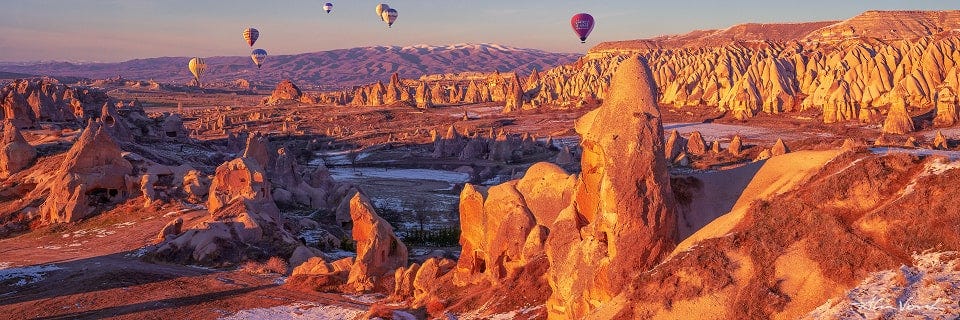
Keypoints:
pixel 522 313
pixel 366 298
pixel 339 254
pixel 952 155
pixel 929 289
pixel 24 275
pixel 300 310
pixel 357 173
pixel 717 131
pixel 139 252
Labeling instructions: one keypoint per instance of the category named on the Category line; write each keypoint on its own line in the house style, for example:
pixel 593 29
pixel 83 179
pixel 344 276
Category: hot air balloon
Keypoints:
pixel 327 7
pixel 582 24
pixel 197 67
pixel 389 17
pixel 251 35
pixel 381 8
pixel 258 55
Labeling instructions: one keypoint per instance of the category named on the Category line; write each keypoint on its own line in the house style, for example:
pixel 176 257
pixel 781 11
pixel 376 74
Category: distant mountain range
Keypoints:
pixel 325 69
pixel 878 25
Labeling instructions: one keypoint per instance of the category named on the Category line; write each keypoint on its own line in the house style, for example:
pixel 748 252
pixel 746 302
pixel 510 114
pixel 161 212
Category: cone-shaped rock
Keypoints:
pixel 674 146
pixel 423 96
pixel 779 148
pixel 93 166
pixel 735 146
pixel 898 120
pixel 940 141
pixel 622 220
pixel 695 144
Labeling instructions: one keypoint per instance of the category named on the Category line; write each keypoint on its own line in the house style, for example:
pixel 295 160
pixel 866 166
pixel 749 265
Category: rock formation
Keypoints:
pixel 25 102
pixel 674 146
pixel 940 141
pixel 504 227
pixel 244 222
pixel 946 108
pixel 695 144
pixel 285 91
pixel 622 220
pixel 514 95
pixel 898 120
pixel 92 173
pixel 15 152
pixel 422 97
pixel 779 148
pixel 735 146
pixel 379 251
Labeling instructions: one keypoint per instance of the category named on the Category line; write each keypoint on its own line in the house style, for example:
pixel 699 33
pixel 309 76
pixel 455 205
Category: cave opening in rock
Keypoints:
pixel 109 121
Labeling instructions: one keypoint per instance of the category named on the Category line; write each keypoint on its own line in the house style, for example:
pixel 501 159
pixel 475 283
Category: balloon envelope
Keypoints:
pixel 390 16
pixel 258 55
pixel 328 6
pixel 251 35
pixel 197 67
pixel 380 9
pixel 582 24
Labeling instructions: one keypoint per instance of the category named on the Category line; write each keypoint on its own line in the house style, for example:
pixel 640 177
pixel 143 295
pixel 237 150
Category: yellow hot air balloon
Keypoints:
pixel 390 16
pixel 197 67
pixel 380 9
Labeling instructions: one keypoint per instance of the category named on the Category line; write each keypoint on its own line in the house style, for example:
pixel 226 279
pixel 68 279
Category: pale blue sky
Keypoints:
pixel 116 30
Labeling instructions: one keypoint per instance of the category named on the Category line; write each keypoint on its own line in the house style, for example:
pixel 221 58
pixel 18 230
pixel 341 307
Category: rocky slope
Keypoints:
pixel 853 79
pixel 745 70
pixel 610 250
pixel 328 69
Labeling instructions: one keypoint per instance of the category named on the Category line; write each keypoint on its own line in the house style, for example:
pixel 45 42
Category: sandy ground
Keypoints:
pixel 774 176
pixel 93 270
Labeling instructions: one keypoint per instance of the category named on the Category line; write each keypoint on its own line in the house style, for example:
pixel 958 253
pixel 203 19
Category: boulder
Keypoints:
pixel 172 229
pixel 15 152
pixel 674 146
pixel 695 144
pixel 779 148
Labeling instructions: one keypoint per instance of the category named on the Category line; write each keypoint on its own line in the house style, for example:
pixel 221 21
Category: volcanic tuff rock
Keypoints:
pixel 92 173
pixel 379 251
pixel 503 227
pixel 15 152
pixel 695 144
pixel 848 80
pixel 26 101
pixel 622 219
pixel 898 120
pixel 422 97
pixel 946 108
pixel 285 91
pixel 244 222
